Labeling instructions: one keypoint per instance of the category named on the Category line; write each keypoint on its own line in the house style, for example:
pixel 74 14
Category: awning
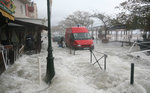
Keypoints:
pixel 28 22
pixel 11 17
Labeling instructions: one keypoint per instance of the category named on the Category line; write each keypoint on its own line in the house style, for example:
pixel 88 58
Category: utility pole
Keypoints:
pixel 50 72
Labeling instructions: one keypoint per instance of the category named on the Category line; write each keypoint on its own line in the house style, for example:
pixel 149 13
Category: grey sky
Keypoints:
pixel 63 8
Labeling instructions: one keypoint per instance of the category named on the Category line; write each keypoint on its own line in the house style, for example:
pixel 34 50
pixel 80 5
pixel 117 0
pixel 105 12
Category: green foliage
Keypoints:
pixel 136 15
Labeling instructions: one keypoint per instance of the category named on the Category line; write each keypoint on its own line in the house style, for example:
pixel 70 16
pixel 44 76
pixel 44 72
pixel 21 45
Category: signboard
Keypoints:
pixel 8 6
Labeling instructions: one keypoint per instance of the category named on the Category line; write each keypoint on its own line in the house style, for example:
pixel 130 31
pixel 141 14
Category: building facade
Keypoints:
pixel 7 8
pixel 18 19
pixel 25 9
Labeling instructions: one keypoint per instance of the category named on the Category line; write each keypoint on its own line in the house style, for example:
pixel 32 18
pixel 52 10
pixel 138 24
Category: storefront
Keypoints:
pixel 24 27
pixel 15 37
pixel 14 32
pixel 7 8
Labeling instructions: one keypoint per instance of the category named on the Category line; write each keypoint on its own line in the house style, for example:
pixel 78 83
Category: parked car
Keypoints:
pixel 56 38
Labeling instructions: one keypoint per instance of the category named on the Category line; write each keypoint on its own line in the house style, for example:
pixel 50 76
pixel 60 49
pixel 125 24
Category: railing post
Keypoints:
pixel 39 70
pixel 70 49
pixel 132 74
pixel 105 56
pixel 91 55
pixel 74 51
pixel 97 60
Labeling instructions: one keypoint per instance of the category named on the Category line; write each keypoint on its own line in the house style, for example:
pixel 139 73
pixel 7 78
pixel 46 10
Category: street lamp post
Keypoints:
pixel 50 72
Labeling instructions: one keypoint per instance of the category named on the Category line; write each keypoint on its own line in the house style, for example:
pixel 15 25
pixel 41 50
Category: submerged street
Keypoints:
pixel 54 46
pixel 75 73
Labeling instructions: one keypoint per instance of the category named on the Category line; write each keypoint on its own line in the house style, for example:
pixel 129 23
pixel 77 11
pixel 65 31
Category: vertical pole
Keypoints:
pixel 96 35
pixel 91 54
pixel 105 56
pixel 74 51
pixel 116 36
pixel 92 33
pixel 121 34
pixel 132 74
pixel 70 50
pixel 39 70
pixel 70 47
pixel 50 64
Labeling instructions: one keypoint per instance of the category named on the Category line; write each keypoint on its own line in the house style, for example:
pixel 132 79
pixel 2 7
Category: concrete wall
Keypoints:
pixel 20 10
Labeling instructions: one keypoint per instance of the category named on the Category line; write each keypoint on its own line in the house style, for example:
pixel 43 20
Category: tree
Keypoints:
pixel 79 17
pixel 128 20
pixel 139 11
pixel 106 20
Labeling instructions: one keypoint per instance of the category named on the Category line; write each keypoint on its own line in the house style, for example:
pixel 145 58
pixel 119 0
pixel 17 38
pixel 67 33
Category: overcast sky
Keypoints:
pixel 63 8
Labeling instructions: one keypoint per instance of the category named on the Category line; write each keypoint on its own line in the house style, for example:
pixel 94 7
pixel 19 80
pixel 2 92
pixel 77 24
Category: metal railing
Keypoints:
pixel 92 54
pixel 98 59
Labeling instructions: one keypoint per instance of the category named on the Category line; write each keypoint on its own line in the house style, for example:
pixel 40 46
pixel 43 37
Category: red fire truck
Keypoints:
pixel 78 38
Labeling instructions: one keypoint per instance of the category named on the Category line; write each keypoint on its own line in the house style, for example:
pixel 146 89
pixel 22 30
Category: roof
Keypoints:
pixel 117 27
pixel 32 20
pixel 28 22
pixel 13 24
